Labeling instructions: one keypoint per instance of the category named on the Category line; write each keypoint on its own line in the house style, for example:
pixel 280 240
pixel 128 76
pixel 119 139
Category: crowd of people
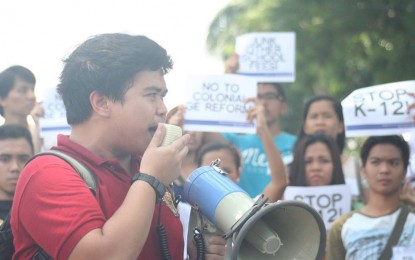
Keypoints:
pixel 112 86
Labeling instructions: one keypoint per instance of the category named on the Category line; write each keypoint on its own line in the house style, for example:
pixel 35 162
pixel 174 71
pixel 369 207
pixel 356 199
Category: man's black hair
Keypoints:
pixel 395 140
pixel 106 63
pixel 8 78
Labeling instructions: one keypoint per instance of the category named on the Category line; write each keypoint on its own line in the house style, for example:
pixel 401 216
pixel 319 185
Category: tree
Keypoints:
pixel 341 45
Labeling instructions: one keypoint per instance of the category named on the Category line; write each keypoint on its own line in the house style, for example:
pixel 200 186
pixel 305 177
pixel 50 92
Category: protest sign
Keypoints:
pixel 54 122
pixel 268 56
pixel 215 103
pixel 379 110
pixel 330 201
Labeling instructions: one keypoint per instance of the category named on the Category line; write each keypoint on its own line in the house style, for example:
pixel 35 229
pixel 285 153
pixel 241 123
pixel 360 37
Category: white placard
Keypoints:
pixel 268 56
pixel 215 103
pixel 403 253
pixel 54 122
pixel 330 201
pixel 379 110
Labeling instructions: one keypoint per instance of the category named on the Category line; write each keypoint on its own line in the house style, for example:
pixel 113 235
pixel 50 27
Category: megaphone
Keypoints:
pixel 255 229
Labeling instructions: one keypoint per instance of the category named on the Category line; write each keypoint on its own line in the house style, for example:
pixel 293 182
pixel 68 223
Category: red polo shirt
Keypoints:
pixel 53 208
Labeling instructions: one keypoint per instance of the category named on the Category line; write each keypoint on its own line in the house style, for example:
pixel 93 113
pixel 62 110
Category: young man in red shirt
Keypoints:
pixel 112 87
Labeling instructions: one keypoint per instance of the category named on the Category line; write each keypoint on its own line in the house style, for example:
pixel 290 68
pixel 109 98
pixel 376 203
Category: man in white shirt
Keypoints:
pixel 364 234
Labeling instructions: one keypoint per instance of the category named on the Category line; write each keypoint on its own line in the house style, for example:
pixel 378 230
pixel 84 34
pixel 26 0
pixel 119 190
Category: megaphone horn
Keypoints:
pixel 263 239
pixel 257 230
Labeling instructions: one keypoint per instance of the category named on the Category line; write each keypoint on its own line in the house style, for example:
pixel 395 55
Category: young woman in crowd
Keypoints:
pixel 324 115
pixel 230 162
pixel 316 162
pixel 229 155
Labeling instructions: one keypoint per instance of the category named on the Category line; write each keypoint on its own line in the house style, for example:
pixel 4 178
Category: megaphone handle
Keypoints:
pixel 228 249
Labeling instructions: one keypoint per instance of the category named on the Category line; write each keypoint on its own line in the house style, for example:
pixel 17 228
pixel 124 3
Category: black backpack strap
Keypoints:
pixel 78 166
pixel 6 239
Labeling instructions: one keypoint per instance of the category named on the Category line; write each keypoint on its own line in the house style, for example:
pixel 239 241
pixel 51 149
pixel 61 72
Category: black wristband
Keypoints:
pixel 154 183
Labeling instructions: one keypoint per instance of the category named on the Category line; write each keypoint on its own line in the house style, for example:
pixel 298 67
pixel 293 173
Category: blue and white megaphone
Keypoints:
pixel 254 229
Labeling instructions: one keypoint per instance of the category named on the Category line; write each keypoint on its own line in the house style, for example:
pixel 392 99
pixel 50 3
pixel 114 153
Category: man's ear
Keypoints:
pixel 99 103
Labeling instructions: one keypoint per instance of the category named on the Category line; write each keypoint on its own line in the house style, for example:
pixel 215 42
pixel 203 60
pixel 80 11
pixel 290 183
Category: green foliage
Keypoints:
pixel 341 45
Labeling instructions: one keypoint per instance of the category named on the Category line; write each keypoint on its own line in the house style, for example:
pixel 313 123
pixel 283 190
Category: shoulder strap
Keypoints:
pixel 396 233
pixel 80 168
pixel 84 172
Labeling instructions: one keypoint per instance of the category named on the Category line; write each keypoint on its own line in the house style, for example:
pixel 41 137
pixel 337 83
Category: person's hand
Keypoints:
pixel 215 248
pixel 232 64
pixel 257 112
pixel 411 106
pixel 37 112
pixel 164 162
pixel 408 194
pixel 176 116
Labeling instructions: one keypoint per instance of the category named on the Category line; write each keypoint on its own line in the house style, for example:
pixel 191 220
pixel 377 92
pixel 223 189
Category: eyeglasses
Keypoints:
pixel 270 96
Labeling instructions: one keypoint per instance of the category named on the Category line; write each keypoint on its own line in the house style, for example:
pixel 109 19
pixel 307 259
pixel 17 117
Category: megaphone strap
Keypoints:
pixel 163 236
pixel 180 181
pixel 200 244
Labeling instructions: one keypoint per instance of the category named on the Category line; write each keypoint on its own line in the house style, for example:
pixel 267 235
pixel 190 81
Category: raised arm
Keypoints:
pixel 275 189
pixel 36 113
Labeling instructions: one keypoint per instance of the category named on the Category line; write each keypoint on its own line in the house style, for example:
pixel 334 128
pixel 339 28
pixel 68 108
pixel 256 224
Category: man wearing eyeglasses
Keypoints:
pixel 270 105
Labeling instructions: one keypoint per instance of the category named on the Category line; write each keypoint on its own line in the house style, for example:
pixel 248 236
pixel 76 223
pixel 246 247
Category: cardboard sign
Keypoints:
pixel 379 110
pixel 54 122
pixel 216 103
pixel 269 57
pixel 330 201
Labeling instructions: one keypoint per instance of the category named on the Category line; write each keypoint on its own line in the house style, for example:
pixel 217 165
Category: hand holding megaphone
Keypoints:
pixel 255 230
pixel 173 132
pixel 164 154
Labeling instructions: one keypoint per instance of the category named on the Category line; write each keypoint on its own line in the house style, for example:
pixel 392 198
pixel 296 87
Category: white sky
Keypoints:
pixel 38 34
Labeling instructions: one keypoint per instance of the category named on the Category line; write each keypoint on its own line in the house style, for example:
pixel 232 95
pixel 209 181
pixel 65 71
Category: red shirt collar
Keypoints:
pixel 65 144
